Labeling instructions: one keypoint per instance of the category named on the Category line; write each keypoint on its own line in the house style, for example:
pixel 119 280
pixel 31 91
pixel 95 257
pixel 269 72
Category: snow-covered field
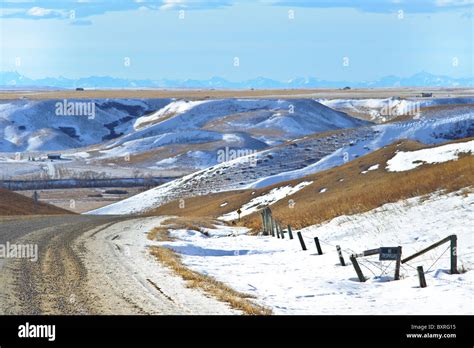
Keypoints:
pixel 292 281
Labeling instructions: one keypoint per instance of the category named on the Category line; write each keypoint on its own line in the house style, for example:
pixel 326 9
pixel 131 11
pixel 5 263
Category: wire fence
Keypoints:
pixel 379 268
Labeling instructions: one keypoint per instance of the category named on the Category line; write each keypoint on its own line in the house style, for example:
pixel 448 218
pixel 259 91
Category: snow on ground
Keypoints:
pixel 120 266
pixel 374 107
pixel 409 160
pixel 374 167
pixel 27 125
pixel 428 131
pixel 292 281
pixel 236 123
pixel 383 109
pixel 174 108
pixel 269 198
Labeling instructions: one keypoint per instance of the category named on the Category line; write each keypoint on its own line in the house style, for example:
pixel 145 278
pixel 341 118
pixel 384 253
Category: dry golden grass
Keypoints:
pixel 222 292
pixel 12 203
pixel 355 194
pixel 160 233
pixel 207 206
pixel 362 192
pixel 219 290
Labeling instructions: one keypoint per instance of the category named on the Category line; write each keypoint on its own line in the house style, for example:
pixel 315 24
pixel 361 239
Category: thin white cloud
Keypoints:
pixel 444 3
pixel 172 4
pixel 44 12
pixel 39 11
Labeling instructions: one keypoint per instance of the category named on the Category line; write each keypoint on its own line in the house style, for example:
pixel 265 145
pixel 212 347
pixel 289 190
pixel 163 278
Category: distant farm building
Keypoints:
pixel 54 156
pixel 426 95
pixel 79 89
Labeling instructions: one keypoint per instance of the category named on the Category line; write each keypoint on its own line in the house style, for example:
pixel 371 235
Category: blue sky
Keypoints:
pixel 332 40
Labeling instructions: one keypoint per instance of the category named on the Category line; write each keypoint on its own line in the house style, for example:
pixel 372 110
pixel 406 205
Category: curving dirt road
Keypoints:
pixel 92 265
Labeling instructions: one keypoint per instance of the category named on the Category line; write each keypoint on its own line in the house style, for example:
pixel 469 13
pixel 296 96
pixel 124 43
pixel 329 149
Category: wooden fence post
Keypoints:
pixel 454 257
pixel 281 232
pixel 341 258
pixel 421 276
pixel 264 223
pixel 300 237
pixel 397 264
pixel 318 246
pixel 360 275
pixel 276 229
pixel 290 233
pixel 272 226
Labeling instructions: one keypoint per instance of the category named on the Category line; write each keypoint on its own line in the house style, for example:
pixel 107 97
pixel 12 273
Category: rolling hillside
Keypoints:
pixel 296 159
pixel 12 203
pixel 355 187
pixel 153 136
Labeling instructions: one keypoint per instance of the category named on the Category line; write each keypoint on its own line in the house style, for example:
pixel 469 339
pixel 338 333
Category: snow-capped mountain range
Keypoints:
pixel 13 79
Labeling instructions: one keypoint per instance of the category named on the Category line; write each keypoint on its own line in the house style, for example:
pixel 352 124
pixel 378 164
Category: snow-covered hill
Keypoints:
pixel 156 135
pixel 296 159
pixel 235 123
pixel 381 110
pixel 27 125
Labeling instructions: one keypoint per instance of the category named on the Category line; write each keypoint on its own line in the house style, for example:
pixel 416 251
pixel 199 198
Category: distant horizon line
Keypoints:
pixel 14 79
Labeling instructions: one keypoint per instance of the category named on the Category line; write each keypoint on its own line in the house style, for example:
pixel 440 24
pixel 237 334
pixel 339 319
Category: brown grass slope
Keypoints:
pixel 12 203
pixel 355 193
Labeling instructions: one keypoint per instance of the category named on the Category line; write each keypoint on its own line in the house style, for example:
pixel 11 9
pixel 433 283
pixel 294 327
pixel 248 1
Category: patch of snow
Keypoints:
pixel 174 108
pixel 374 167
pixel 269 198
pixel 403 161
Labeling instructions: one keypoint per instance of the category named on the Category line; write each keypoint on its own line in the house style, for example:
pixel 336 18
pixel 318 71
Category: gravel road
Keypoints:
pixel 91 265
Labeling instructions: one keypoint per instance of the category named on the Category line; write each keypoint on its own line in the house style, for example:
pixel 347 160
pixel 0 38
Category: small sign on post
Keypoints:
pixel 389 253
pixel 239 211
